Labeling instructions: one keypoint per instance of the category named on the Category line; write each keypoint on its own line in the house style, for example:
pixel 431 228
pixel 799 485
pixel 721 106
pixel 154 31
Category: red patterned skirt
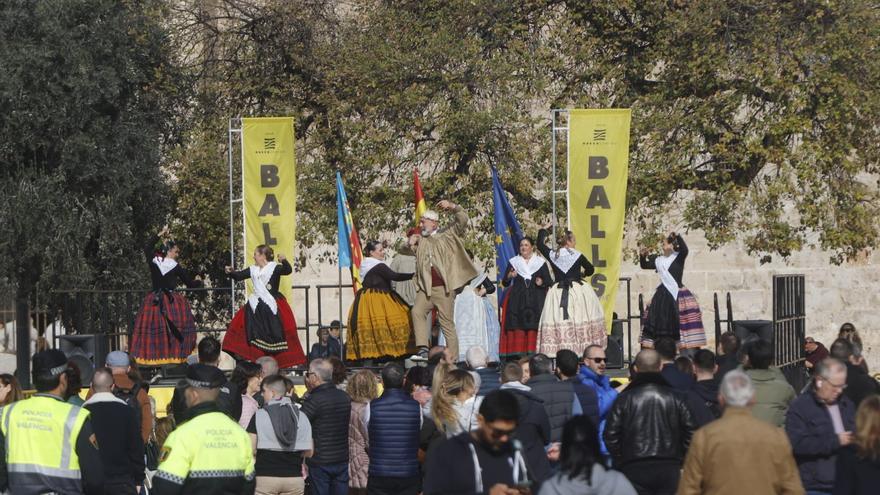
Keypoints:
pixel 516 342
pixel 164 330
pixel 237 342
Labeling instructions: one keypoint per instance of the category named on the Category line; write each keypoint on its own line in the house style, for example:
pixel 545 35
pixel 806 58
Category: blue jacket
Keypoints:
pixel 395 424
pixel 606 393
pixel 813 441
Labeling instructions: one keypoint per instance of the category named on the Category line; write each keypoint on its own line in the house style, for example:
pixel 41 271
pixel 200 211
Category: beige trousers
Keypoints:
pixel 270 485
pixel 445 305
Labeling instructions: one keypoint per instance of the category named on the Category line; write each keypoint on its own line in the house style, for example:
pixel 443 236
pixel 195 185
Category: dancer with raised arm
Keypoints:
pixel 527 277
pixel 164 330
pixel 572 317
pixel 378 321
pixel 442 268
pixel 673 311
pixel 264 325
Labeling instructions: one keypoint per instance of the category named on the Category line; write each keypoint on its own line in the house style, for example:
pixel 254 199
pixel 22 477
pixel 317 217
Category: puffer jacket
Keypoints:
pixel 558 400
pixel 648 421
pixel 607 395
pixel 329 412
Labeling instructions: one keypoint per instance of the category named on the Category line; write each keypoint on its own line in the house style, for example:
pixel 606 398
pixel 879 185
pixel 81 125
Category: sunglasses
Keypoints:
pixel 597 360
pixel 498 434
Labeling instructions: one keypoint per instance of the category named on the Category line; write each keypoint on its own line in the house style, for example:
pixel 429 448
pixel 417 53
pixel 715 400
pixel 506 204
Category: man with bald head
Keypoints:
pixel 649 428
pixel 118 433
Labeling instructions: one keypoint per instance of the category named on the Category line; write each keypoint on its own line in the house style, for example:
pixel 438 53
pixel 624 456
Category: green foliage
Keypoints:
pixel 758 118
pixel 763 113
pixel 87 93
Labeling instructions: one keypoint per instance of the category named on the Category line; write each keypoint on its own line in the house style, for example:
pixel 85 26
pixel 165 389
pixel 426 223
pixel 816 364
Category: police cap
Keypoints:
pixel 204 376
pixel 49 363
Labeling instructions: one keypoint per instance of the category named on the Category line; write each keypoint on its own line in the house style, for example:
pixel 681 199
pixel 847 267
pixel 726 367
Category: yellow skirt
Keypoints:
pixel 379 325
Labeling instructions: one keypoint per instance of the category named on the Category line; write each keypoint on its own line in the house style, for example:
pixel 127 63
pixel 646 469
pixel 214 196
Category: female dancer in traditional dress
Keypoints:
pixel 476 321
pixel 573 317
pixel 527 278
pixel 673 311
pixel 164 330
pixel 378 321
pixel 264 326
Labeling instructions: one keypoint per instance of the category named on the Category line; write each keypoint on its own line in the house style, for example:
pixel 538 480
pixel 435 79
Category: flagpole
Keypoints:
pixel 341 337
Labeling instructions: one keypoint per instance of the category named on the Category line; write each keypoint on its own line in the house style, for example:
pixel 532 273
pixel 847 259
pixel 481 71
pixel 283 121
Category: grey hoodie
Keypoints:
pixel 602 482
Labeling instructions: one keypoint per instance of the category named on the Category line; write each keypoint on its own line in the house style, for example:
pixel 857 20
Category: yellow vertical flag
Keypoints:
pixel 598 167
pixel 269 187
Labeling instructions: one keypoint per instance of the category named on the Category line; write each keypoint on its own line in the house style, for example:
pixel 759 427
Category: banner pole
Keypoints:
pixel 341 336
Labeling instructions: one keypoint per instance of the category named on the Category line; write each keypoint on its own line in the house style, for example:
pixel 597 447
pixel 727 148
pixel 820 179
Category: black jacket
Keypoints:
pixel 727 362
pixel 703 401
pixel 854 474
pixel 533 431
pixel 450 467
pixel 558 400
pixel 119 437
pixel 587 397
pixel 648 421
pixel 676 378
pixel 859 384
pixel 229 401
pixel 329 411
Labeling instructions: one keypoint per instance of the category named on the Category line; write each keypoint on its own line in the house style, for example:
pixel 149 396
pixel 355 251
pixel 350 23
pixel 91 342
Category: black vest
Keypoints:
pixel 395 423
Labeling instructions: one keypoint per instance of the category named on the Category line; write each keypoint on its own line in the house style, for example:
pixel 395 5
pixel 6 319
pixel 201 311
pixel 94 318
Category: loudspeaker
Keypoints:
pixel 749 331
pixel 86 351
pixel 614 351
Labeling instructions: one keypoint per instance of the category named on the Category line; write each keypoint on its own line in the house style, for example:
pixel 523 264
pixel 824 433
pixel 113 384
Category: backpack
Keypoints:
pixel 130 397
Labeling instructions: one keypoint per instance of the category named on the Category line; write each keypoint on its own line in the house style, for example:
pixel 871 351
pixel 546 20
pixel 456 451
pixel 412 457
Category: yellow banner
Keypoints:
pixel 269 187
pixel 598 166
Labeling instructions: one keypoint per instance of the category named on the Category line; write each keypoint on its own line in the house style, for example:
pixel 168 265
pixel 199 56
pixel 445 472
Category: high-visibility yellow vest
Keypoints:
pixel 206 452
pixel 40 435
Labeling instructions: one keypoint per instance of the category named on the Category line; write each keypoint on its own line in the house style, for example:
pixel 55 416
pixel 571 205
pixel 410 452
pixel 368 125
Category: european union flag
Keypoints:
pixel 508 234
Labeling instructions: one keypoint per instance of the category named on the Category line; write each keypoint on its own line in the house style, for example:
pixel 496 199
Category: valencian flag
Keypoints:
pixel 350 253
pixel 508 234
pixel 421 206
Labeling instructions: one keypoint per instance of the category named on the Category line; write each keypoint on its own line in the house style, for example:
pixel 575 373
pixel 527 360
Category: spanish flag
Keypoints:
pixel 421 206
pixel 350 253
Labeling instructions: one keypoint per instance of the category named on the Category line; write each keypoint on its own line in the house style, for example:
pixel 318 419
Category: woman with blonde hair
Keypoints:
pixel 454 403
pixel 858 464
pixel 362 388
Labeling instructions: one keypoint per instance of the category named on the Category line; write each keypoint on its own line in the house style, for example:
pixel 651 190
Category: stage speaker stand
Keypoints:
pixel 86 351
pixel 614 351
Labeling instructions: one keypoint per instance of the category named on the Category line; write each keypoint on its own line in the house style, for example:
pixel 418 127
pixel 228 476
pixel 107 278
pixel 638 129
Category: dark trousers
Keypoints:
pixel 329 479
pixel 653 477
pixel 384 485
pixel 113 487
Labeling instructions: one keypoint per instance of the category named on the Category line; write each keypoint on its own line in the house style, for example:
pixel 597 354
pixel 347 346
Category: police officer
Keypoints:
pixel 47 444
pixel 208 453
